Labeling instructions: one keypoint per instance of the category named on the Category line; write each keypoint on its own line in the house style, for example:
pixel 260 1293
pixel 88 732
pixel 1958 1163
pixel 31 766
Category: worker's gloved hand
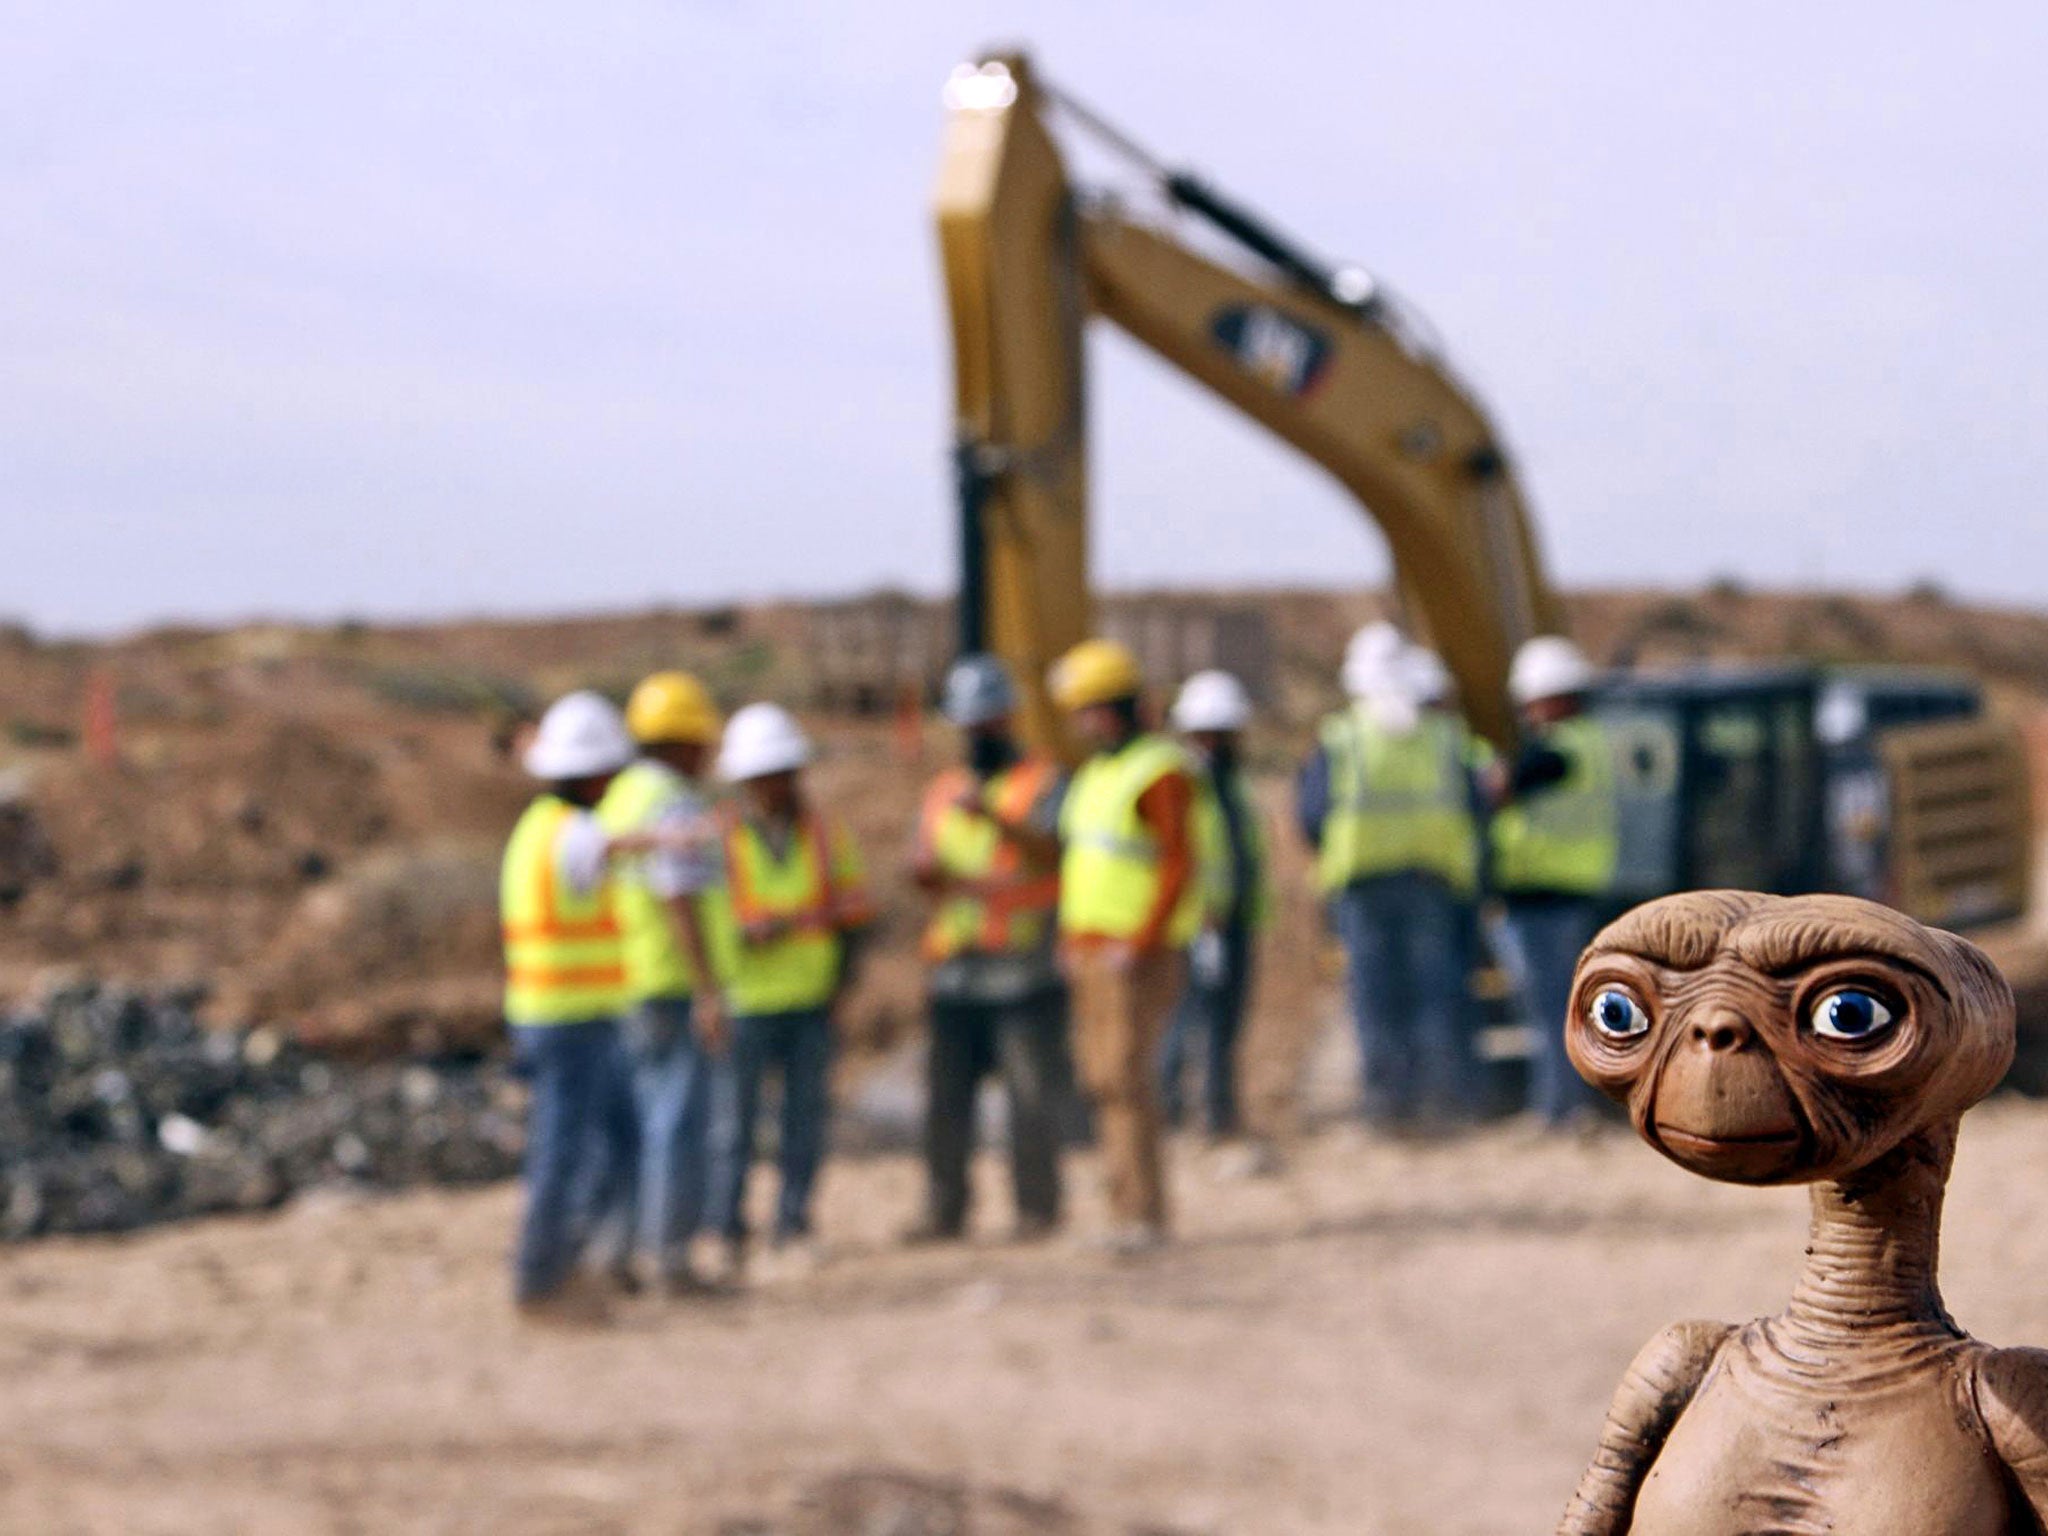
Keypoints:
pixel 1209 959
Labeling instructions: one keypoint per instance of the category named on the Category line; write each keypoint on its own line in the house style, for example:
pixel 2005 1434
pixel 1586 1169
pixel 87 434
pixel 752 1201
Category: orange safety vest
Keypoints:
pixel 564 951
pixel 1012 909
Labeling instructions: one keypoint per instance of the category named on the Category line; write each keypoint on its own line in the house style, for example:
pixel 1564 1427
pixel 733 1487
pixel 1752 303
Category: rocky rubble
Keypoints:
pixel 118 1110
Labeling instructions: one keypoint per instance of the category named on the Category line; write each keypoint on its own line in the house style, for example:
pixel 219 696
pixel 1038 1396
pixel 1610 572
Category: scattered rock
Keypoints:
pixel 117 1110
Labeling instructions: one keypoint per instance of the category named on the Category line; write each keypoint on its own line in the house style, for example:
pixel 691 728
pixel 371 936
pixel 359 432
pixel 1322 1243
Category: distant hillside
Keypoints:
pixel 307 819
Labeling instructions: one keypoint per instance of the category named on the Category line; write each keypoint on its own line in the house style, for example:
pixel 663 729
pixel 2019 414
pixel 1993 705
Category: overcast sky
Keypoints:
pixel 312 309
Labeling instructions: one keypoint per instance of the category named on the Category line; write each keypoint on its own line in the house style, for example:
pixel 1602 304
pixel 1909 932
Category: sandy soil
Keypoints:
pixel 1383 1339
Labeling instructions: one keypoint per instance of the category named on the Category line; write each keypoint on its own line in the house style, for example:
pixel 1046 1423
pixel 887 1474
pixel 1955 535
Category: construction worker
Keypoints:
pixel 988 855
pixel 674 1025
pixel 1211 712
pixel 1556 839
pixel 796 902
pixel 565 987
pixel 1436 693
pixel 1386 802
pixel 1131 901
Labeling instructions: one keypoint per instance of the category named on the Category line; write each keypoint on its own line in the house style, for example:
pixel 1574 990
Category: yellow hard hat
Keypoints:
pixel 1095 672
pixel 672 707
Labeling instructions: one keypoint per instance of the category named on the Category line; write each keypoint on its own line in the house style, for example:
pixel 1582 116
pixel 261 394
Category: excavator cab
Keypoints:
pixel 1719 782
pixel 1890 784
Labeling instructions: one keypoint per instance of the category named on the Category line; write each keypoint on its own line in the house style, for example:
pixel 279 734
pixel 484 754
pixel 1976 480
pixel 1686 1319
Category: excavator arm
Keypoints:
pixel 1310 350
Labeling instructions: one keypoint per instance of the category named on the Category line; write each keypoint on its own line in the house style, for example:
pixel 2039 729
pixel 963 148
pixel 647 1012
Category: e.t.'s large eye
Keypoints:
pixel 1850 1013
pixel 1617 1015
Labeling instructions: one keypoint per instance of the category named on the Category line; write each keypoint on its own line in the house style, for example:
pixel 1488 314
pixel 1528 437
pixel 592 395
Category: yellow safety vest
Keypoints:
pixel 1014 910
pixel 1398 803
pixel 564 954
pixel 656 965
pixel 1564 838
pixel 1109 865
pixel 811 895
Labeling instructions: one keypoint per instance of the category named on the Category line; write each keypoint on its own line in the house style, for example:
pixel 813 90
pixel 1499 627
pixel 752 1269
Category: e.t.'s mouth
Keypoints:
pixel 1739 1154
pixel 1696 1141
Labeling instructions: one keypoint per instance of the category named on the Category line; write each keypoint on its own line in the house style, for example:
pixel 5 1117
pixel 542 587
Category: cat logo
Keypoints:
pixel 1273 346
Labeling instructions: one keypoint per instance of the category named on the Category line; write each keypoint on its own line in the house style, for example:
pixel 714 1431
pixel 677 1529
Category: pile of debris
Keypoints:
pixel 118 1110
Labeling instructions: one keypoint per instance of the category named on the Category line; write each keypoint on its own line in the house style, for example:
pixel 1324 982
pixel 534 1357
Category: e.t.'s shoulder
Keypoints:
pixel 1654 1391
pixel 1674 1361
pixel 2012 1399
pixel 2010 1387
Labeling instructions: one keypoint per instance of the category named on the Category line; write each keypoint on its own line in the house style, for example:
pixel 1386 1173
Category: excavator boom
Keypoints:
pixel 1303 346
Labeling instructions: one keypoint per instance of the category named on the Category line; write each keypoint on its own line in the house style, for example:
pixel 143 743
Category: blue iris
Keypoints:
pixel 1850 1014
pixel 1615 1013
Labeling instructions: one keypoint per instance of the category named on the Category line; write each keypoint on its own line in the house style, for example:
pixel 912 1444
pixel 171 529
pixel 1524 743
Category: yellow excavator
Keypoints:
pixel 1892 784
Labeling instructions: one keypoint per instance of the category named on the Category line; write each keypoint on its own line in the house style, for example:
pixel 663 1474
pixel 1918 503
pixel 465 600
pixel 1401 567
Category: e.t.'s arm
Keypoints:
pixel 1654 1391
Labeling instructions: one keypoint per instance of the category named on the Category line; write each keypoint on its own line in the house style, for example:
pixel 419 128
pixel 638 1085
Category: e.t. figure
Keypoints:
pixel 1833 1042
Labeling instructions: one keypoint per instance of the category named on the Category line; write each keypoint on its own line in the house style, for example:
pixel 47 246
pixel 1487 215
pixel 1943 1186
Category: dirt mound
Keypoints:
pixel 400 946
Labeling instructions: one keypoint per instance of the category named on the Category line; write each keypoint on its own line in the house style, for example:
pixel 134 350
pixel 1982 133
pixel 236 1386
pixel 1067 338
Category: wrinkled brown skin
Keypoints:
pixel 1861 1408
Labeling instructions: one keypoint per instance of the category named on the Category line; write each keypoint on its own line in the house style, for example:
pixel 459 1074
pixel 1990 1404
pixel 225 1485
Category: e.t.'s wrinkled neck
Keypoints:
pixel 1871 1255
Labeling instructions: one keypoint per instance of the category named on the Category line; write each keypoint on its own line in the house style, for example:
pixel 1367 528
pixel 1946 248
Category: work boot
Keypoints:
pixel 1254 1157
pixel 795 1257
pixel 727 1263
pixel 623 1277
pixel 1033 1228
pixel 581 1301
pixel 1126 1240
pixel 686 1283
pixel 1135 1240
pixel 929 1231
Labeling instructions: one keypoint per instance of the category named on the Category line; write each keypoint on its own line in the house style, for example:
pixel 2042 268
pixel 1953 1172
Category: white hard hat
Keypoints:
pixel 762 739
pixel 1428 678
pixel 1548 667
pixel 1212 701
pixel 580 736
pixel 1375 642
pixel 1372 661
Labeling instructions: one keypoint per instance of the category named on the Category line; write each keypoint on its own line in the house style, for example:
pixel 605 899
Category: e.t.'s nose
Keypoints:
pixel 1721 1030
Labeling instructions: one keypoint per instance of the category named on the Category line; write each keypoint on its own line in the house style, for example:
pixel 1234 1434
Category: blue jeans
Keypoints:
pixel 1552 931
pixel 1214 1011
pixel 798 1046
pixel 671 1092
pixel 571 1145
pixel 1405 975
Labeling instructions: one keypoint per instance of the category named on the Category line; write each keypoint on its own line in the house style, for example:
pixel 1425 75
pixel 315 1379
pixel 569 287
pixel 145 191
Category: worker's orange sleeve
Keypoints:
pixel 854 906
pixel 1167 810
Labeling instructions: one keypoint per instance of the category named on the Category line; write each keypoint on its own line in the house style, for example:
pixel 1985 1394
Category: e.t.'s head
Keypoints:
pixel 1771 1040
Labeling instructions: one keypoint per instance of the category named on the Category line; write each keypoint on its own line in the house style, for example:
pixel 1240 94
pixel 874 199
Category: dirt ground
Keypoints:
pixel 1384 1339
